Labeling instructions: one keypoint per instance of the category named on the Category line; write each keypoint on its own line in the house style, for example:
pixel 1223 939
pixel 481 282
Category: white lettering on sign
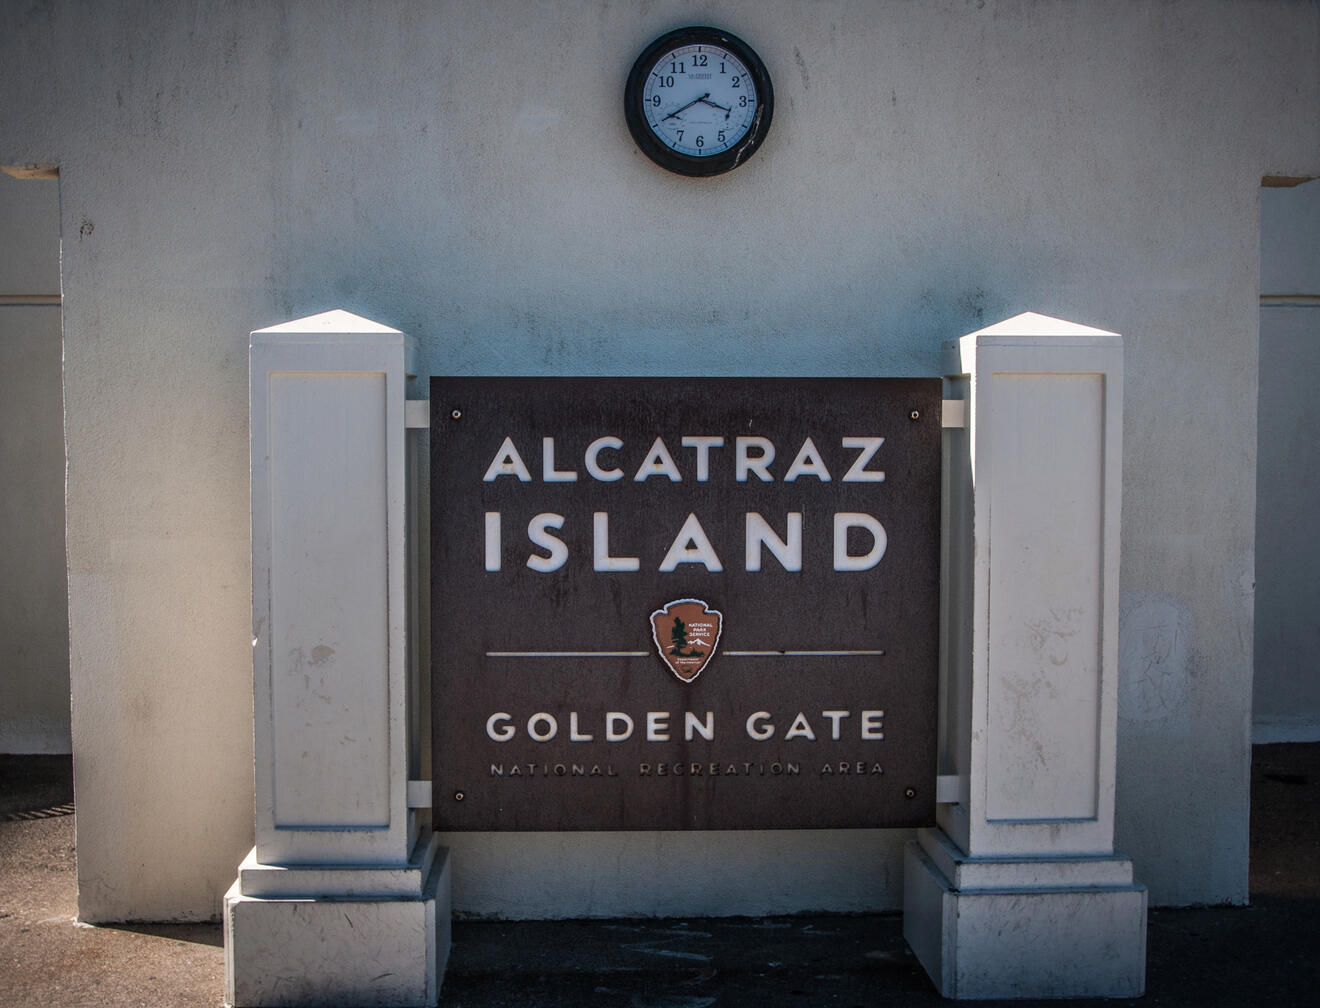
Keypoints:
pixel 703 444
pixel 752 459
pixel 658 463
pixel 808 462
pixel 845 561
pixel 542 727
pixel 857 472
pixel 835 717
pixel 758 463
pixel 753 456
pixel 800 728
pixel 576 736
pixel 548 471
pixel 760 727
pixel 657 726
pixel 712 768
pixel 756 729
pixel 498 728
pixel 759 533
pixel 600 547
pixel 619 727
pixel 507 462
pixel 539 536
pixel 492 541
pixel 691 545
pixel 873 725
pixel 705 728
pixel 592 460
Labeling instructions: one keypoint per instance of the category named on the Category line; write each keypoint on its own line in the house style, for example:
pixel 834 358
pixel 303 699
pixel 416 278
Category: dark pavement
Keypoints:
pixel 1267 953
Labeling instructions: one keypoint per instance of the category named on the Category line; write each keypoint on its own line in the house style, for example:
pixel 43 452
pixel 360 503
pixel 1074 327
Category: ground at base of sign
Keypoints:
pixel 1209 957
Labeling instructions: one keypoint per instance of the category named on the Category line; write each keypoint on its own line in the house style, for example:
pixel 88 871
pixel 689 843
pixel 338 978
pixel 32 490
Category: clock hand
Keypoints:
pixel 705 101
pixel 694 101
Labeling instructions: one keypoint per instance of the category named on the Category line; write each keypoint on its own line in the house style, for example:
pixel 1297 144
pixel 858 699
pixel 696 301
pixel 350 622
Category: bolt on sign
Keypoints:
pixel 672 603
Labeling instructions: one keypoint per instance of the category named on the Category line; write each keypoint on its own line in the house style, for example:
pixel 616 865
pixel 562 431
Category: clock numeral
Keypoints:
pixel 720 138
pixel 742 101
pixel 680 134
pixel 675 67
pixel 655 100
pixel 665 81
pixel 699 60
pixel 701 142
pixel 734 81
pixel 722 70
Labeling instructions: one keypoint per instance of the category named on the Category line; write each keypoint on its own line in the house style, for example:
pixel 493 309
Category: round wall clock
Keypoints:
pixel 698 101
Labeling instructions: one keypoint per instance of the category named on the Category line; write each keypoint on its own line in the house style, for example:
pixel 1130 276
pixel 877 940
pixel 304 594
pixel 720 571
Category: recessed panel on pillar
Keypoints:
pixel 1046 505
pixel 329 688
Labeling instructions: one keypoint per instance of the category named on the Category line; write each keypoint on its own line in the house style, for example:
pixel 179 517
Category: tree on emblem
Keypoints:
pixel 679 636
pixel 682 649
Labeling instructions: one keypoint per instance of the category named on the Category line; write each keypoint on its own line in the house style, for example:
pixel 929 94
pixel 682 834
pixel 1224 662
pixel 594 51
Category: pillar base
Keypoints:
pixel 341 934
pixel 1046 927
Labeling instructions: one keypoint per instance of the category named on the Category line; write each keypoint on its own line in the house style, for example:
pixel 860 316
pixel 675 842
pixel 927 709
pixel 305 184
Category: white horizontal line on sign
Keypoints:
pixel 643 654
pixel 798 654
pixel 567 654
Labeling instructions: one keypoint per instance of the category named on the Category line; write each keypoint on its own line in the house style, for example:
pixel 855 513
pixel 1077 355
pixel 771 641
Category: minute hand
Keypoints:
pixel 687 106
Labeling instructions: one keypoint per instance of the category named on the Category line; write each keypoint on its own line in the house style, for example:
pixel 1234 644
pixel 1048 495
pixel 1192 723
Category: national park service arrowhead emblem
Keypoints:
pixel 686 633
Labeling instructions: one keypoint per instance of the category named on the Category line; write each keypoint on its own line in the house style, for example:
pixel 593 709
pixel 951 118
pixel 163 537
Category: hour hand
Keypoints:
pixel 694 101
pixel 705 100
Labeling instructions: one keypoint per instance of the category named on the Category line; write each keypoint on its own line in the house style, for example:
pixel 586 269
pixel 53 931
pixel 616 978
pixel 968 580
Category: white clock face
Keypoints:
pixel 699 100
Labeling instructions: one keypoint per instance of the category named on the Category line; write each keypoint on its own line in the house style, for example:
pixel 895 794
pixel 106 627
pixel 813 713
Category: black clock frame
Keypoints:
pixel 686 164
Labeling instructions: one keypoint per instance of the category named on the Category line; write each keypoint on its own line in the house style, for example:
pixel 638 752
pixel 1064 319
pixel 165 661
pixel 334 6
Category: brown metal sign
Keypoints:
pixel 684 603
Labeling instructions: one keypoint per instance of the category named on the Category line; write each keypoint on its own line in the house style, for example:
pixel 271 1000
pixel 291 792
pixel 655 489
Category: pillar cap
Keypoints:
pixel 1035 324
pixel 334 322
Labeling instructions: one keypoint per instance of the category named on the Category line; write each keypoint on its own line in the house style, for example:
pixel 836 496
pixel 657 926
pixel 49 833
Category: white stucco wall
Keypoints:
pixel 34 622
pixel 462 172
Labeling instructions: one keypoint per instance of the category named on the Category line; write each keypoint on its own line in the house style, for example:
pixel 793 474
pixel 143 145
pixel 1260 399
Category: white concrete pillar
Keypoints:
pixel 345 897
pixel 1019 892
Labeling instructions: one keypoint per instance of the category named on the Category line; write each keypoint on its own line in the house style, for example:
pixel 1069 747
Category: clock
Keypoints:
pixel 698 101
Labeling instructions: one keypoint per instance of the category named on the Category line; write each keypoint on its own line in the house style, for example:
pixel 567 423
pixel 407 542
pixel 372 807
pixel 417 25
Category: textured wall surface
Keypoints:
pixel 462 172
